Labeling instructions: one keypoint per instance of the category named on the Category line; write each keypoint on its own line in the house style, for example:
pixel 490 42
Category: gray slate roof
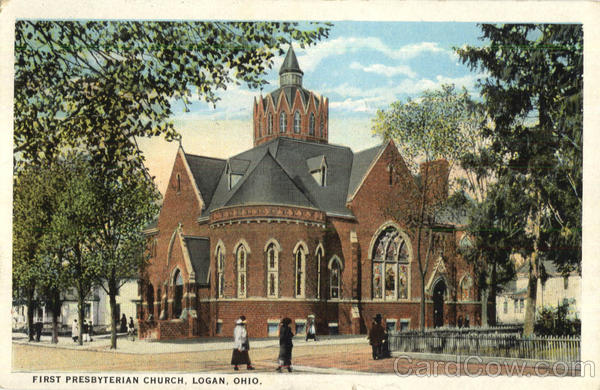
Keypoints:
pixel 290 94
pixel 290 63
pixel 199 252
pixel 360 164
pixel 278 172
pixel 206 171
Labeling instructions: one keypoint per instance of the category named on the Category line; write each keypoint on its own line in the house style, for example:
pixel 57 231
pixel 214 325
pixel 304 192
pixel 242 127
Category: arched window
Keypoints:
pixel 282 122
pixel 241 257
pixel 177 294
pixel 270 124
pixel 311 124
pixel 321 127
pixel 391 266
pixel 220 257
pixel 272 271
pixel 319 259
pixel 300 257
pixel 335 275
pixel 297 122
pixel 465 288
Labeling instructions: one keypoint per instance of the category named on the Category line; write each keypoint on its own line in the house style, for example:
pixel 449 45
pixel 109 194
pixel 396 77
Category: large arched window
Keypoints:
pixel 311 124
pixel 297 122
pixel 270 124
pixel 300 274
pixel 272 258
pixel 177 294
pixel 466 288
pixel 335 276
pixel 242 259
pixel 391 265
pixel 282 122
pixel 220 258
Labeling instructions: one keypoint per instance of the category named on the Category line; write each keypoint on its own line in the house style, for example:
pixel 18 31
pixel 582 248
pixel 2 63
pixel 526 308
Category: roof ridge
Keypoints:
pixel 207 157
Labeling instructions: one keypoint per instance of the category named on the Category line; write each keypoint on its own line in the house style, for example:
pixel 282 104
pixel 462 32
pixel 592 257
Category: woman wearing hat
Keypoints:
pixel 285 345
pixel 376 336
pixel 240 345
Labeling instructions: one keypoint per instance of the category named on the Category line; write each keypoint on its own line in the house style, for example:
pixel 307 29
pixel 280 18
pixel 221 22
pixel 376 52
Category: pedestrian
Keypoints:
pixel 123 328
pixel 90 330
pixel 376 336
pixel 86 331
pixel 38 330
pixel 131 329
pixel 75 330
pixel 285 345
pixel 241 345
pixel 311 331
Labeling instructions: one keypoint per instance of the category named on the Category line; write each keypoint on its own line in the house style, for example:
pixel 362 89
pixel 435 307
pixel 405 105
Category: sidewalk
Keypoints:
pixel 201 344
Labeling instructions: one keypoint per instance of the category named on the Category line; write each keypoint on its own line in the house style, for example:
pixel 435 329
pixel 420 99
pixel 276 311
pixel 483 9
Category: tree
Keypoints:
pixel 32 210
pixel 534 96
pixel 73 230
pixel 101 84
pixel 426 129
pixel 126 206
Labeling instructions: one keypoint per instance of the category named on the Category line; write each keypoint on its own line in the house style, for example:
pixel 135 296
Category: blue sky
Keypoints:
pixel 361 67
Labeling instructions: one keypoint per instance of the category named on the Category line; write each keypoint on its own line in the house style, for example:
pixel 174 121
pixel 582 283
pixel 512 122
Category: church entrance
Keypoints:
pixel 438 303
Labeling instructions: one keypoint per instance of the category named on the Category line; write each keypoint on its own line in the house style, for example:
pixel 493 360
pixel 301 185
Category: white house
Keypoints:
pixel 510 304
pixel 97 308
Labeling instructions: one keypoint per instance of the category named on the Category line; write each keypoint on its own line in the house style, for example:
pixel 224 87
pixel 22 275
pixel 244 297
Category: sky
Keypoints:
pixel 361 67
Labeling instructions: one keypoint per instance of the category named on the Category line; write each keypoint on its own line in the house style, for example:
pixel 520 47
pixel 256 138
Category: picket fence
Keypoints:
pixel 565 349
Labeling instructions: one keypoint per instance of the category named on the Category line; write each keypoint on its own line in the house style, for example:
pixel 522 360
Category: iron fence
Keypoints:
pixel 566 348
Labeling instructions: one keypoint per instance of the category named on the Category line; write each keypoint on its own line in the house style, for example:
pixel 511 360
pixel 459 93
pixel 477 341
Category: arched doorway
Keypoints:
pixel 178 294
pixel 150 300
pixel 438 303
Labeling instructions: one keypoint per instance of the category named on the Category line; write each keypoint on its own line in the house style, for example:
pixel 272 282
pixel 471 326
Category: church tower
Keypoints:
pixel 290 110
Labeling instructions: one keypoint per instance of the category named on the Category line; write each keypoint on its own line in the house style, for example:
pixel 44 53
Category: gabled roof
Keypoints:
pixel 269 183
pixel 289 91
pixel 238 166
pixel 315 163
pixel 199 255
pixel 361 165
pixel 206 172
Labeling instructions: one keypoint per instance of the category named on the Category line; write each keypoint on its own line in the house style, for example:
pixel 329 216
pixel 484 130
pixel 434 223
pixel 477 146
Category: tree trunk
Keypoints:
pixel 56 305
pixel 80 310
pixel 492 317
pixel 484 307
pixel 531 297
pixel 422 305
pixel 30 311
pixel 113 320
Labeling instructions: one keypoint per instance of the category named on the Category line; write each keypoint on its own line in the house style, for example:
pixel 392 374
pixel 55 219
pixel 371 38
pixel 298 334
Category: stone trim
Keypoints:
pixel 266 212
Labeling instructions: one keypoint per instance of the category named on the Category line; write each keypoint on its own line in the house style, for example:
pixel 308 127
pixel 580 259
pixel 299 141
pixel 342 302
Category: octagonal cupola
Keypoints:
pixel 290 110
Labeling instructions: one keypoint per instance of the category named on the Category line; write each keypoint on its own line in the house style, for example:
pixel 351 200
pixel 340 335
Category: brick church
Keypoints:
pixel 295 227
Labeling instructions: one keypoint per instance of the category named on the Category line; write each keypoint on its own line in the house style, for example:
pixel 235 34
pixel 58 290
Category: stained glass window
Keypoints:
pixel 272 271
pixel 391 266
pixel 220 272
pixel 241 268
pixel 297 122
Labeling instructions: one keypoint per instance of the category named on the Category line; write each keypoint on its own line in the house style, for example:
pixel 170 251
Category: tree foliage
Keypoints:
pixel 431 127
pixel 533 94
pixel 101 84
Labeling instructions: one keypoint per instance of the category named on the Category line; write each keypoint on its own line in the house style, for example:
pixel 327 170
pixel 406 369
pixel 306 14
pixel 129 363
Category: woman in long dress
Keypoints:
pixel 285 345
pixel 240 345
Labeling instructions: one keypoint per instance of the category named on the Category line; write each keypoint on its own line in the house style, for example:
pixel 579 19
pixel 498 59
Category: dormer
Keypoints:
pixel 235 170
pixel 317 166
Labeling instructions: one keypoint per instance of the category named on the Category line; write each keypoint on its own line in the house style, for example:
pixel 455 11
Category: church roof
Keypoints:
pixel 289 91
pixel 206 171
pixel 279 172
pixel 199 253
pixel 290 63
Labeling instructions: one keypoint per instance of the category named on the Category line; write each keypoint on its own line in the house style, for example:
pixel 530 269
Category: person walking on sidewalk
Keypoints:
pixel 376 336
pixel 86 330
pixel 75 330
pixel 285 345
pixel 311 331
pixel 131 329
pixel 241 345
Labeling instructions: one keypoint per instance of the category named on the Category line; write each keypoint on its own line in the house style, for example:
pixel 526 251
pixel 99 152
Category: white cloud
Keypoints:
pixel 385 70
pixel 369 100
pixel 311 57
